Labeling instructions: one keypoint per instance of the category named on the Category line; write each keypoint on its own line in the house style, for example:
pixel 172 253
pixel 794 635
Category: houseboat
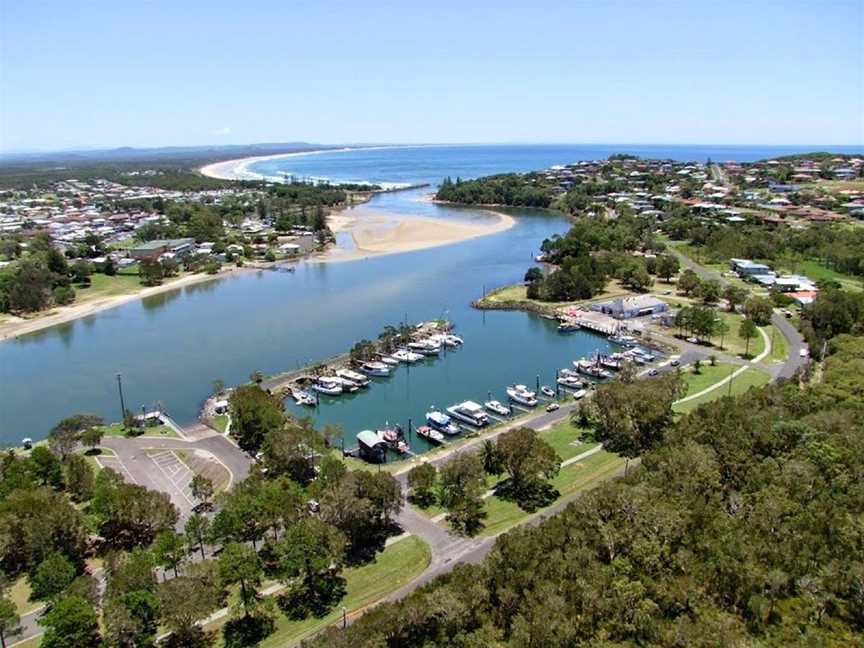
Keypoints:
pixel 371 446
pixel 329 385
pixel 357 378
pixel 469 412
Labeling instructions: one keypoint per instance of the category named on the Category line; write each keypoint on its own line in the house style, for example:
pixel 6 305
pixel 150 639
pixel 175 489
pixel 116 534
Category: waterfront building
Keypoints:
pixel 629 307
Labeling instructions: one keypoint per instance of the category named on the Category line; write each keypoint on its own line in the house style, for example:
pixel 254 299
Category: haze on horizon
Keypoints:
pixel 106 74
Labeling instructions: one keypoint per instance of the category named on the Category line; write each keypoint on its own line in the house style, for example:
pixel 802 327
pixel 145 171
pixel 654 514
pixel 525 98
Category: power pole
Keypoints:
pixel 122 402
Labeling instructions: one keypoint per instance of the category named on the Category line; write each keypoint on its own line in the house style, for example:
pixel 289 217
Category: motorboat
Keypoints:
pixel 609 362
pixel 389 360
pixel 302 397
pixel 447 339
pixel 570 382
pixel 579 394
pixel 329 385
pixel 591 369
pixel 395 438
pixel 347 385
pixel 497 408
pixel 430 434
pixel 375 369
pixel 440 421
pixel 547 391
pixel 568 326
pixel 522 395
pixel 425 347
pixel 469 412
pixel 357 378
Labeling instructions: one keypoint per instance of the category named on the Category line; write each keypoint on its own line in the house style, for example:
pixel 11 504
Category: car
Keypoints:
pixel 803 353
pixel 675 362
pixel 693 340
pixel 653 372
pixel 667 292
pixel 551 407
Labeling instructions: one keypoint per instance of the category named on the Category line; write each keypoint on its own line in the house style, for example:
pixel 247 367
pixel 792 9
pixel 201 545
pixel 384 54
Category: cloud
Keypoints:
pixel 225 130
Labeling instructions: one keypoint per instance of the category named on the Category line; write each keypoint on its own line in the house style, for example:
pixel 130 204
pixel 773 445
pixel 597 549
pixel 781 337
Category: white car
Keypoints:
pixel 803 353
pixel 551 407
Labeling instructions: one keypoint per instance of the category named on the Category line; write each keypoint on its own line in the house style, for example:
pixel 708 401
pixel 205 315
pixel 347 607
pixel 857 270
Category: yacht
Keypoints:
pixel 347 385
pixel 430 434
pixel 522 395
pixel 357 378
pixel 425 347
pixel 389 360
pixel 469 412
pixel 302 397
pixel 375 369
pixel 329 385
pixel 446 339
pixel 440 421
pixel 547 391
pixel 497 408
pixel 404 355
pixel 570 382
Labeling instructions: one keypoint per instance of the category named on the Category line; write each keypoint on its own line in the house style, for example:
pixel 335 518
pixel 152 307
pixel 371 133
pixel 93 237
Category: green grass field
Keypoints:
pixel 752 377
pixel 819 272
pixel 118 430
pixel 706 377
pixel 104 286
pixel 397 565
pixel 19 594
pixel 221 422
pixel 779 346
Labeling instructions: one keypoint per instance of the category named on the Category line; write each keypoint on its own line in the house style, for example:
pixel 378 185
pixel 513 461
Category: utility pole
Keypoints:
pixel 122 402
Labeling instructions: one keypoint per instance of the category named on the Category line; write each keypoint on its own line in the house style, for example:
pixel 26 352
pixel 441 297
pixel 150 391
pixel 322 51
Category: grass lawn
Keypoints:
pixel 751 378
pixel 19 594
pixel 118 430
pixel 779 346
pixel 733 342
pixel 706 377
pixel 564 437
pixel 579 476
pixel 221 422
pixel 818 272
pixel 397 565
pixel 104 286
pixel 518 293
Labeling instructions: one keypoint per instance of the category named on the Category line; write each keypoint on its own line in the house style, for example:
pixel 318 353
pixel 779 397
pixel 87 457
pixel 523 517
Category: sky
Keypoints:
pixel 94 73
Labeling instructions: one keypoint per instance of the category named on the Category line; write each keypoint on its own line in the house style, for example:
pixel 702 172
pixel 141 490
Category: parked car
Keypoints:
pixel 803 353
pixel 551 407
pixel 675 362
pixel 653 372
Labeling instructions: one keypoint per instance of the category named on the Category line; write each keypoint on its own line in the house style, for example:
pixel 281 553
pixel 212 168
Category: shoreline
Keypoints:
pixel 65 314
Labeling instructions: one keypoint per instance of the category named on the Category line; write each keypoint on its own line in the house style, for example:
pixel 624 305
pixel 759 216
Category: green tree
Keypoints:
pixel 710 291
pixel 734 295
pixel 63 295
pixel 254 413
pixel 759 310
pixel 197 531
pixel 185 600
pixel 722 329
pixel 92 437
pixel 10 622
pixel 688 282
pixel 65 436
pixel 667 266
pixel 48 469
pixel 239 565
pixel 52 577
pixel 421 480
pixel 202 489
pixel 747 330
pixel 71 622
pixel 169 550
pixel 461 485
pixel 526 457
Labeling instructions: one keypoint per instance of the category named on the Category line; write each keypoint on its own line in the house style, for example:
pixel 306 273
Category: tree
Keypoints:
pixel 667 266
pixel 81 271
pixel 92 436
pixel 709 291
pixel 64 437
pixel 688 282
pixel 71 622
pixel 290 449
pixel 10 622
pixel 734 295
pixel 202 489
pixel 197 531
pixel 254 413
pixel 421 481
pixel 150 272
pixel 52 577
pixel 239 565
pixel 218 386
pixel 169 549
pixel 526 457
pixel 461 485
pixel 759 310
pixel 722 329
pixel 47 468
pixel 747 331
pixel 63 295
pixel 491 458
pixel 185 600
pixel 533 274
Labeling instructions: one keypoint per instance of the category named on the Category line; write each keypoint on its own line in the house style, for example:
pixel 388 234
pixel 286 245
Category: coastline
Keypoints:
pixel 65 314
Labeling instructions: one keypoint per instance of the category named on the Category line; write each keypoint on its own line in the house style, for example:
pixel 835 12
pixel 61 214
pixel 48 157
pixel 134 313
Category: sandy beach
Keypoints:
pixel 376 233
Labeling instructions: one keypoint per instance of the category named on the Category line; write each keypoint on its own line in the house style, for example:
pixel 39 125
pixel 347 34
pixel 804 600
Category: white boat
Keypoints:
pixel 497 408
pixel 440 421
pixel 447 339
pixel 522 395
pixel 570 382
pixel 347 385
pixel 469 412
pixel 302 397
pixel 389 360
pixel 547 391
pixel 395 438
pixel 375 369
pixel 357 378
pixel 426 347
pixel 329 385
pixel 579 394
pixel 430 434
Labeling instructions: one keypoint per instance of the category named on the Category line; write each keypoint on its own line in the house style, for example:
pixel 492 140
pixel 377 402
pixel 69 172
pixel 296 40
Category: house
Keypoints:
pixel 372 447
pixel 804 297
pixel 155 249
pixel 289 248
pixel 628 307
pixel 747 268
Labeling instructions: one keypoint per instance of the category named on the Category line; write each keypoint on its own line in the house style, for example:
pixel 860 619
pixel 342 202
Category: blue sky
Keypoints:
pixel 99 73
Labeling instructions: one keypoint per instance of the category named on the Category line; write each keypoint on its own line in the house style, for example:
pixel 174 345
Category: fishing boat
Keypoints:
pixel 357 378
pixel 329 385
pixel 579 394
pixel 469 412
pixel 547 391
pixel 425 347
pixel 430 434
pixel 623 340
pixel 440 421
pixel 497 408
pixel 522 395
pixel 591 369
pixel 609 362
pixel 375 369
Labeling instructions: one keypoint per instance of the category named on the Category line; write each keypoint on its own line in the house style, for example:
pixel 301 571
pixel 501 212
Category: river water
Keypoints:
pixel 169 348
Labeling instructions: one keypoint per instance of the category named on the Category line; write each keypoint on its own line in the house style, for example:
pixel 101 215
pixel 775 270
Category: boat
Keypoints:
pixel 347 385
pixel 623 340
pixel 522 395
pixel 430 434
pixel 609 363
pixel 395 438
pixel 302 397
pixel 469 412
pixel 357 378
pixel 389 360
pixel 547 391
pixel 27 442
pixel 590 369
pixel 440 421
pixel 568 327
pixel 371 446
pixel 579 394
pixel 453 340
pixel 375 369
pixel 497 408
pixel 425 347
pixel 570 382
pixel 329 385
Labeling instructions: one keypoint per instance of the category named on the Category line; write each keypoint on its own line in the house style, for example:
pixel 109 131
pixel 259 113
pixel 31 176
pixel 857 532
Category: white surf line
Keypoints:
pixel 570 461
pixel 735 373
